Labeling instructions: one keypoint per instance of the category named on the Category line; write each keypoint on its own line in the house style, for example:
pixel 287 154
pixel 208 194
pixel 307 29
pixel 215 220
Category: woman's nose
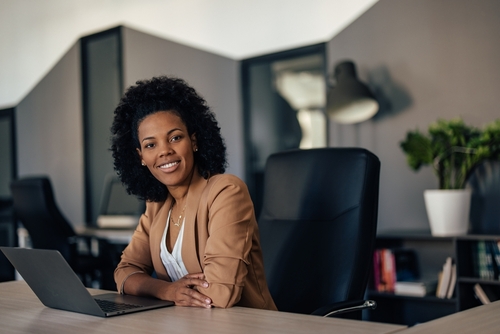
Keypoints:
pixel 165 149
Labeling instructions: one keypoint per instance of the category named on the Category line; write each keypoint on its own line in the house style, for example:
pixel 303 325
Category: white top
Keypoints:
pixel 173 261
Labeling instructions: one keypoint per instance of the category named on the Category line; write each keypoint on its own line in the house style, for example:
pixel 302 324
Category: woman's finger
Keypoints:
pixel 192 282
pixel 190 297
pixel 195 275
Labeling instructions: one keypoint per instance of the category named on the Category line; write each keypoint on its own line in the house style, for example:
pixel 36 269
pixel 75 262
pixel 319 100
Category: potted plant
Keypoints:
pixel 453 149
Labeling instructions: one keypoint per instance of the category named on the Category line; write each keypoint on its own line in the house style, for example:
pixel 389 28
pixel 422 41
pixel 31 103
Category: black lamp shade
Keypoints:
pixel 350 101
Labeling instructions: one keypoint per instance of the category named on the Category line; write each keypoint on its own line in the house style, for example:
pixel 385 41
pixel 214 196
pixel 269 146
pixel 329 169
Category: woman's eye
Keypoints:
pixel 175 138
pixel 149 145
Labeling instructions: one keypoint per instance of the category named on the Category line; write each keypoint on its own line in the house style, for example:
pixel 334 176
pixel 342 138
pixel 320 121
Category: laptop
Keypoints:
pixel 118 209
pixel 57 286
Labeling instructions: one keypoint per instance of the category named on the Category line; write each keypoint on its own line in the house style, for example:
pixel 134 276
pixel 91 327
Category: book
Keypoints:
pixel 385 270
pixel 445 278
pixel 453 281
pixel 406 264
pixel 376 269
pixel 388 270
pixel 440 282
pixel 391 265
pixel 490 266
pixel 485 293
pixel 484 261
pixel 417 287
pixel 497 256
pixel 495 252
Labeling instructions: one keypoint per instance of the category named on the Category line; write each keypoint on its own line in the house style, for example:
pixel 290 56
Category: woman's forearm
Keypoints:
pixel 141 284
pixel 183 292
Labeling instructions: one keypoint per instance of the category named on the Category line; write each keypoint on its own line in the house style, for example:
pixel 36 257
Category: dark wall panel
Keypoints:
pixel 102 88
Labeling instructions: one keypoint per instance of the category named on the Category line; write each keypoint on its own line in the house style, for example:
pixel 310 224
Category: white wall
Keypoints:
pixel 36 34
pixel 50 134
pixel 215 77
pixel 426 59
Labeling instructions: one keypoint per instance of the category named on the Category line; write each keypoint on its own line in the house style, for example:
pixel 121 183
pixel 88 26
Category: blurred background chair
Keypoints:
pixel 484 181
pixel 34 205
pixel 318 227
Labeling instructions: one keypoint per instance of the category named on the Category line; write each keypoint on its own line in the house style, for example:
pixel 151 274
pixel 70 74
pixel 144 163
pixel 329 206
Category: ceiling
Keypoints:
pixel 34 34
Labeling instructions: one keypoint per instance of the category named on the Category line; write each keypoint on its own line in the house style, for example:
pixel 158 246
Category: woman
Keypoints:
pixel 199 234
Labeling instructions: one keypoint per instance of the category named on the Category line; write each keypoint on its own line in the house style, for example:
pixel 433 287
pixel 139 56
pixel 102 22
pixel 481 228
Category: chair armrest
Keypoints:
pixel 344 307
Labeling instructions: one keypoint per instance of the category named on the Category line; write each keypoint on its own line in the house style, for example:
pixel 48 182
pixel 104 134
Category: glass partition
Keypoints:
pixel 8 172
pixel 7 148
pixel 284 97
pixel 102 88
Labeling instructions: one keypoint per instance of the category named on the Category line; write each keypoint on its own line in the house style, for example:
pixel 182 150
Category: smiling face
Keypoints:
pixel 166 148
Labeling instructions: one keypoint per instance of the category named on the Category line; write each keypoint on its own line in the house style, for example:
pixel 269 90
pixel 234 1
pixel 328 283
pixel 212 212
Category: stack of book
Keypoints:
pixel 447 280
pixel 418 287
pixel 396 271
pixel 487 259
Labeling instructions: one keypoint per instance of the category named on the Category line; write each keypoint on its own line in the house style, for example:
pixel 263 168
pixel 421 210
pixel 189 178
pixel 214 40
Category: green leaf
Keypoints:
pixel 418 149
pixel 452 148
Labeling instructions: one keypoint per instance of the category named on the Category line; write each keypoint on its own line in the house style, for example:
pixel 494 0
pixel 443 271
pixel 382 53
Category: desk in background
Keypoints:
pixel 481 319
pixel 114 236
pixel 7 238
pixel 22 312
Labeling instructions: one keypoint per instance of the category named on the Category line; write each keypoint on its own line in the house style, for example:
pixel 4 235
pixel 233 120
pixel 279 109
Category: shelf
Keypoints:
pixel 410 235
pixel 428 298
pixel 431 254
pixel 474 280
pixel 475 237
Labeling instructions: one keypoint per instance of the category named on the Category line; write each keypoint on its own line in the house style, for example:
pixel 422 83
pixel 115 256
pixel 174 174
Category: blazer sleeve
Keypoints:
pixel 231 224
pixel 136 257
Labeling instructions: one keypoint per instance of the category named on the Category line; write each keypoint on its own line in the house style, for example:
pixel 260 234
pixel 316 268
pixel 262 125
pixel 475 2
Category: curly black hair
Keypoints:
pixel 148 97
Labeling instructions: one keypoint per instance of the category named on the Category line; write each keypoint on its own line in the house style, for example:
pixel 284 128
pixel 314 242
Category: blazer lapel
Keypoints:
pixel 156 233
pixel 190 254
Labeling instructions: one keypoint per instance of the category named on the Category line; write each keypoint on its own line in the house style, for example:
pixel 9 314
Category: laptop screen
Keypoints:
pixel 116 201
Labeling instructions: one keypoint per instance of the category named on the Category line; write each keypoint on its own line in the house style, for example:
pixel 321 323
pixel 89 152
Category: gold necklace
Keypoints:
pixel 178 223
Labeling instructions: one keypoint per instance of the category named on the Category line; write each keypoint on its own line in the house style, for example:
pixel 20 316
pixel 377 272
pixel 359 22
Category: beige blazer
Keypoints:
pixel 221 239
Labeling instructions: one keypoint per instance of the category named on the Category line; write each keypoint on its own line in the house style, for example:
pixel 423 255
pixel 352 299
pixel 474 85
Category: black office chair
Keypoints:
pixel 35 207
pixel 484 181
pixel 318 227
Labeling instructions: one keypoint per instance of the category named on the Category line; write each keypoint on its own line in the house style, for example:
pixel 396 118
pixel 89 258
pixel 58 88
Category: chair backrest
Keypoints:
pixel 34 205
pixel 484 180
pixel 318 225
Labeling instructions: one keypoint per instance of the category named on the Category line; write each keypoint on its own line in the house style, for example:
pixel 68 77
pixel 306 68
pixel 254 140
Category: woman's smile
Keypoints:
pixel 168 167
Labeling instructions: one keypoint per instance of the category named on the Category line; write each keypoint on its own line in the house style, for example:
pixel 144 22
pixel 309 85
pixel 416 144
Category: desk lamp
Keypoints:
pixel 350 101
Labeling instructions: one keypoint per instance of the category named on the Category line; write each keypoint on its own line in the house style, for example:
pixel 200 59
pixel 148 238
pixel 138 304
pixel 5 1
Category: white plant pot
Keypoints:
pixel 448 211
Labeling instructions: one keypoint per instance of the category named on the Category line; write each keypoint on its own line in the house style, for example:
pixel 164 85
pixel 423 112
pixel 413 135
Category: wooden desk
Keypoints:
pixel 114 236
pixel 478 320
pixel 22 312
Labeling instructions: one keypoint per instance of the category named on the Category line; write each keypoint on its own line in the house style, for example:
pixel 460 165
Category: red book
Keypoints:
pixel 388 270
pixel 376 269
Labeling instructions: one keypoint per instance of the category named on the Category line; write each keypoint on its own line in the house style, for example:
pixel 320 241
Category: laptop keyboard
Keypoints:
pixel 110 306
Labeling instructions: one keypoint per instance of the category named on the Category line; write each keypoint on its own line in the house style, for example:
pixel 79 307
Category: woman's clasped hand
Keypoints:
pixel 186 293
